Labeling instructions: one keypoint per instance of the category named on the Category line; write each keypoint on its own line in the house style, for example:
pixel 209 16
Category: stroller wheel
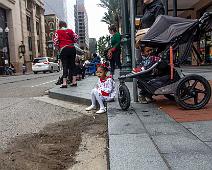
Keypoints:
pixel 124 97
pixel 193 92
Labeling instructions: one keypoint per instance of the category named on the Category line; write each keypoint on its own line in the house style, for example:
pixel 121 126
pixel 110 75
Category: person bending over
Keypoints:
pixel 64 40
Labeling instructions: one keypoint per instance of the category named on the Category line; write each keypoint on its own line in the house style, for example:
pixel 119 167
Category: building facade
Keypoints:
pixel 191 9
pixel 63 9
pixel 51 25
pixel 22 24
pixel 81 24
pixel 92 45
pixel 195 9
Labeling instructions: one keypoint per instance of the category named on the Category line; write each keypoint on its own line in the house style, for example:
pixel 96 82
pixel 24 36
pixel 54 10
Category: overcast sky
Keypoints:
pixel 95 14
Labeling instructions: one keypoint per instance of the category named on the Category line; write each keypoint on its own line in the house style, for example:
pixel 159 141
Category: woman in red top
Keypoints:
pixel 64 39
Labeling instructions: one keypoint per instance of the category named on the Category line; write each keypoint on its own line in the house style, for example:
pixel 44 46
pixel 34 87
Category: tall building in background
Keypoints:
pixel 63 9
pixel 81 24
pixel 70 14
pixel 92 45
pixel 51 25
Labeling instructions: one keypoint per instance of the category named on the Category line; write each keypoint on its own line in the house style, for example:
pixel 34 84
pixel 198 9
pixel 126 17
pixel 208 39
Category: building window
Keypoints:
pixel 28 4
pixel 38 28
pixel 30 43
pixel 51 35
pixel 31 57
pixel 38 43
pixel 37 10
pixel 51 25
pixel 28 24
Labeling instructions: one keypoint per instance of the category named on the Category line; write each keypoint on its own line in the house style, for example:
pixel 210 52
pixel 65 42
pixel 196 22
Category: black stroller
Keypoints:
pixel 167 34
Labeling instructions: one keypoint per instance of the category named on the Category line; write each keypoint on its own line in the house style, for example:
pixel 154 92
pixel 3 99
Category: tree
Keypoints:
pixel 112 16
pixel 102 44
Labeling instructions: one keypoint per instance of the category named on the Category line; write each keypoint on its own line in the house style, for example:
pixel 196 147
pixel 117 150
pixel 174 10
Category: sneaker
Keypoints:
pixel 101 111
pixel 142 99
pixel 92 107
pixel 136 70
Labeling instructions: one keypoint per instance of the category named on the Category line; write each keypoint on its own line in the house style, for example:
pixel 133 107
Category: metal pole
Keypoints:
pixel 142 7
pixel 175 8
pixel 166 4
pixel 126 30
pixel 8 50
pixel 132 19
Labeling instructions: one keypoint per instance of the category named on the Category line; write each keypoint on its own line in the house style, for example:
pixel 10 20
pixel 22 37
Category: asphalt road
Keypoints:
pixel 20 110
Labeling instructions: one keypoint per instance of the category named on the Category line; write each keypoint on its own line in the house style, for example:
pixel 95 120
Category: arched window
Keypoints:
pixel 51 26
pixel 51 35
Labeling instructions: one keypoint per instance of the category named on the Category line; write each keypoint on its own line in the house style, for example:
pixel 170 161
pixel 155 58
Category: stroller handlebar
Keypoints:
pixel 205 16
pixel 132 75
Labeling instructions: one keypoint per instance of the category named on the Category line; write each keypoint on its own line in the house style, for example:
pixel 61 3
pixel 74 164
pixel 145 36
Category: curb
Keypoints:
pixel 69 98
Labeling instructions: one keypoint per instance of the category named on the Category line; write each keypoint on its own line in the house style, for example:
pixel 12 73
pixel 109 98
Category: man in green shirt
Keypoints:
pixel 115 50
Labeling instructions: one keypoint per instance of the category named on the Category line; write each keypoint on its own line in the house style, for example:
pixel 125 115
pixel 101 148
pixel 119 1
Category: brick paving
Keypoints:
pixel 182 115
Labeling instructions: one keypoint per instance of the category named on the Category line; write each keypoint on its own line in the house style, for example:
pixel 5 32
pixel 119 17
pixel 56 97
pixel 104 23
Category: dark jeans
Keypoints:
pixel 143 90
pixel 68 56
pixel 115 61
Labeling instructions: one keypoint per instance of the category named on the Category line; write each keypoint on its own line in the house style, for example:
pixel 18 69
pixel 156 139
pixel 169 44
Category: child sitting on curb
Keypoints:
pixel 104 91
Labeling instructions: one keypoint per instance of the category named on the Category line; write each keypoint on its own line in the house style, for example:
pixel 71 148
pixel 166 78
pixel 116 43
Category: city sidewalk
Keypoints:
pixel 150 136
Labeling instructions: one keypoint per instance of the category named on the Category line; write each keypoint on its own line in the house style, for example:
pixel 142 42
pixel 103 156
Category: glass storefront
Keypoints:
pixel 206 43
pixel 2 37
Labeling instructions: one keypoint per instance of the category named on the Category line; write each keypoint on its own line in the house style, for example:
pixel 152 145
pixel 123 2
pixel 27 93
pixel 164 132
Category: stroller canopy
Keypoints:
pixel 166 28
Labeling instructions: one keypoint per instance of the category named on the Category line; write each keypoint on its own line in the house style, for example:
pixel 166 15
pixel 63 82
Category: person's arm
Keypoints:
pixel 159 10
pixel 116 41
pixel 73 36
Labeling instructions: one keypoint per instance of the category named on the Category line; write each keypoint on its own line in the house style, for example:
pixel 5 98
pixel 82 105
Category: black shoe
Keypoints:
pixel 63 86
pixel 74 85
pixel 59 81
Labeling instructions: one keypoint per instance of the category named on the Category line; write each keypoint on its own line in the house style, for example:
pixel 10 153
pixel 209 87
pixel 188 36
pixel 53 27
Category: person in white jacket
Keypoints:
pixel 104 90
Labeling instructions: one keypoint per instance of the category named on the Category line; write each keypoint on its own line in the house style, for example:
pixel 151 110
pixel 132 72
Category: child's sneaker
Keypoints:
pixel 142 99
pixel 103 110
pixel 92 107
pixel 136 70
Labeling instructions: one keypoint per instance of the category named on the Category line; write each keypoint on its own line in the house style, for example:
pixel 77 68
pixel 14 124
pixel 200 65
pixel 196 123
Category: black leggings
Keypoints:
pixel 115 61
pixel 68 56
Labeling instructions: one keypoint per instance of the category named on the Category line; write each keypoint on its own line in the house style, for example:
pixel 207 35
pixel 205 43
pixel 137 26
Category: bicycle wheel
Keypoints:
pixel 124 97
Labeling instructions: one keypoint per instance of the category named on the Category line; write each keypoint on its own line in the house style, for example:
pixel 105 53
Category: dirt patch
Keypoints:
pixel 53 148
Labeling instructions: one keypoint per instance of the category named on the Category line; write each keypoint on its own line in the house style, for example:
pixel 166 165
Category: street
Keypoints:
pixel 18 106
pixel 37 132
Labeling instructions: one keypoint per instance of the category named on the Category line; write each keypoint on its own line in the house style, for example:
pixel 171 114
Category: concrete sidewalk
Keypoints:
pixel 145 137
